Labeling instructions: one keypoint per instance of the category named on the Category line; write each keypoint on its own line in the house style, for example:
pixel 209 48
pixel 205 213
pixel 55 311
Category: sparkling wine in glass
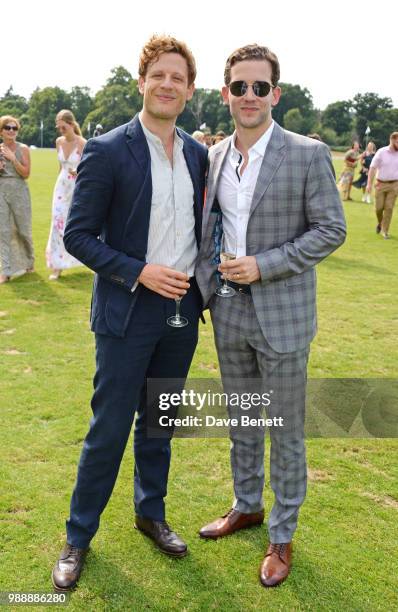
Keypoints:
pixel 226 255
pixel 177 320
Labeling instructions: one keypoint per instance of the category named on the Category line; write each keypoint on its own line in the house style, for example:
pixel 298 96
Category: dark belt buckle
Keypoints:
pixel 240 288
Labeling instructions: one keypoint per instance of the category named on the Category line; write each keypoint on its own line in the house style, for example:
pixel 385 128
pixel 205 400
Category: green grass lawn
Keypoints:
pixel 346 545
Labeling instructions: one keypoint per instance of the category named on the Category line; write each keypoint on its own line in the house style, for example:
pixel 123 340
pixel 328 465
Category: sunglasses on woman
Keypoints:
pixel 260 88
pixel 10 127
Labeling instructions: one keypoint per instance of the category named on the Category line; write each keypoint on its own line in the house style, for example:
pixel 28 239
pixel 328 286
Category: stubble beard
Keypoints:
pixel 252 123
pixel 164 114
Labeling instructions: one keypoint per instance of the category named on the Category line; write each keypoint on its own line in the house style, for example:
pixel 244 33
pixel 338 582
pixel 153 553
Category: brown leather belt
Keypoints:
pixel 393 181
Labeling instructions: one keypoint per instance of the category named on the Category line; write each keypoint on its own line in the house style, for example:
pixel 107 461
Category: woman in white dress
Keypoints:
pixel 69 149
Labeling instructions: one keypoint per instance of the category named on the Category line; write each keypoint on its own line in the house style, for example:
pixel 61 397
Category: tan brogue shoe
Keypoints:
pixel 276 565
pixel 231 522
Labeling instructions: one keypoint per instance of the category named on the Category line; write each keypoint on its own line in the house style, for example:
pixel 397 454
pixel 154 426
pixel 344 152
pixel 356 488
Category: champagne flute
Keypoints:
pixel 226 255
pixel 177 320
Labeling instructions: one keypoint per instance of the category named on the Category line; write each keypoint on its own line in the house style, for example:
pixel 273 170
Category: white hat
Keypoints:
pixel 99 127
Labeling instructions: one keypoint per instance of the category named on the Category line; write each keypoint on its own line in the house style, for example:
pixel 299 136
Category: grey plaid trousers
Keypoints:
pixel 244 353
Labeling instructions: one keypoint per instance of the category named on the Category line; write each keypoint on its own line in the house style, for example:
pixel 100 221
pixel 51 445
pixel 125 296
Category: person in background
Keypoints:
pixel 16 246
pixel 347 176
pixel 365 161
pixel 69 149
pixel 98 130
pixel 199 137
pixel 219 136
pixel 208 140
pixel 385 163
pixel 314 136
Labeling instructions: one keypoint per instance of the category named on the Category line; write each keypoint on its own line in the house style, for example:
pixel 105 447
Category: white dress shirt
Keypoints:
pixel 171 238
pixel 235 191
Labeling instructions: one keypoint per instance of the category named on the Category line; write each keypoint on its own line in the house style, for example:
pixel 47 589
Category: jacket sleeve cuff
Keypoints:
pixel 271 264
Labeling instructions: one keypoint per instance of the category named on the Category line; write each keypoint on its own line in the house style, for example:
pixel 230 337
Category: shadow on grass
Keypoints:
pixel 82 280
pixel 308 583
pixel 103 578
pixel 347 264
pixel 34 287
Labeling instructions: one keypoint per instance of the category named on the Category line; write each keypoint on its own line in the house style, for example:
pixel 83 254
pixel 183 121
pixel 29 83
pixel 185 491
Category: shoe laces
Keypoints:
pixel 229 513
pixel 165 526
pixel 279 549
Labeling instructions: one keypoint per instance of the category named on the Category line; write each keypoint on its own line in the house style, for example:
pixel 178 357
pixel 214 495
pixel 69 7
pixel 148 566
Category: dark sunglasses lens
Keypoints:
pixel 11 127
pixel 261 88
pixel 238 88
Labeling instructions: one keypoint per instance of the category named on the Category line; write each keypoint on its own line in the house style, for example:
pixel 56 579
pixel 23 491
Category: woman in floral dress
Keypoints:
pixel 69 149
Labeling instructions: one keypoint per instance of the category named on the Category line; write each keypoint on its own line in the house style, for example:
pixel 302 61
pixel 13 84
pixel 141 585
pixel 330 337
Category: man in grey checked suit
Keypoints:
pixel 272 194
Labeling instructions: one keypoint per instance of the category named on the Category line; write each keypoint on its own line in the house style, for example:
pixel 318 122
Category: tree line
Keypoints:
pixel 119 100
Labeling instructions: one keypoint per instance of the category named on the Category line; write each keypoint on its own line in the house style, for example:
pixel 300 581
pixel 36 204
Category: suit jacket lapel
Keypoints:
pixel 194 172
pixel 274 154
pixel 214 175
pixel 138 145
pixel 137 225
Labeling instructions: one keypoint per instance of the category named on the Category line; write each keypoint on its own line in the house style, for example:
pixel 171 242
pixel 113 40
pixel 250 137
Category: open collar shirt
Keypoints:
pixel 235 191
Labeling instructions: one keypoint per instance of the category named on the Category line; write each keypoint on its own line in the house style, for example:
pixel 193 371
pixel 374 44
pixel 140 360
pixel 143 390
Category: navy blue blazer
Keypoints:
pixel 108 223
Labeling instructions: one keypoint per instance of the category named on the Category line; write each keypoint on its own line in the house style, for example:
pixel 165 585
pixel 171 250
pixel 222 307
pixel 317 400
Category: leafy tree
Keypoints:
pixel 44 104
pixel 81 103
pixel 295 97
pixel 346 139
pixel 366 106
pixel 216 113
pixel 386 122
pixel 293 121
pixel 192 116
pixel 207 107
pixel 120 76
pixel 117 102
pixel 328 135
pixel 12 104
pixel 338 117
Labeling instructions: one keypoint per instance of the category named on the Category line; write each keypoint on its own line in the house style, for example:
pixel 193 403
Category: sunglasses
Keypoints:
pixel 10 127
pixel 260 88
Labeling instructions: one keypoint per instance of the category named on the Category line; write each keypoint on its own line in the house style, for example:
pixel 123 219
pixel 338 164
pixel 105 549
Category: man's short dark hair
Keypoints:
pixel 253 52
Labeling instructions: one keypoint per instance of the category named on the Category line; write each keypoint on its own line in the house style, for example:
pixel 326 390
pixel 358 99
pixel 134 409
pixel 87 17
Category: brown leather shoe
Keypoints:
pixel 68 568
pixel 231 522
pixel 276 565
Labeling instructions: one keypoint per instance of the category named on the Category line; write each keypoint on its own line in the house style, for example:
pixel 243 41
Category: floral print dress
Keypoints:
pixel 56 255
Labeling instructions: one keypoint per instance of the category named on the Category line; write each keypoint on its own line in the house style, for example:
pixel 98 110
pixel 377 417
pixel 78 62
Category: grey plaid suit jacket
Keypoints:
pixel 296 220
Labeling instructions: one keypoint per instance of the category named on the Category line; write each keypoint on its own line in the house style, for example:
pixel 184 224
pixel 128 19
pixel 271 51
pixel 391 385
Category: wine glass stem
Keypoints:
pixel 178 302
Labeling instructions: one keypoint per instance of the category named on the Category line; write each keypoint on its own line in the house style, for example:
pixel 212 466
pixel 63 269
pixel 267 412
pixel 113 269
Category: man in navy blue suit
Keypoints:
pixel 136 221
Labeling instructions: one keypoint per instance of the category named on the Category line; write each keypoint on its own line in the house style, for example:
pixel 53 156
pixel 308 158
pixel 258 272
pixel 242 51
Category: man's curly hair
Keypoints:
pixel 159 44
